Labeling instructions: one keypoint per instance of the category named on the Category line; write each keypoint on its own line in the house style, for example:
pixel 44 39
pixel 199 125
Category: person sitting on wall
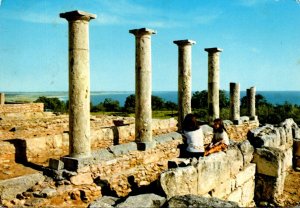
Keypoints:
pixel 194 136
pixel 220 139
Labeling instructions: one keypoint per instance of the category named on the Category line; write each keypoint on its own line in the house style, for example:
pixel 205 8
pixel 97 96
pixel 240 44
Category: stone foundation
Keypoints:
pixel 22 108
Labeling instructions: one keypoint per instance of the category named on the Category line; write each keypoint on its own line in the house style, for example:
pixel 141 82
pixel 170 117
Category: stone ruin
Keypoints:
pixel 127 162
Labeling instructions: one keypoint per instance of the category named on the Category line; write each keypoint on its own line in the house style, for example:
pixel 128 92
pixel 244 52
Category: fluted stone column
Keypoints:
pixel 184 79
pixel 2 98
pixel 235 103
pixel 251 103
pixel 79 83
pixel 213 83
pixel 143 86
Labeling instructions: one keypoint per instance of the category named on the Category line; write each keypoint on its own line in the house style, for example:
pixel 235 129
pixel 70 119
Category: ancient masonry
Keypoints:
pixel 184 79
pixel 253 167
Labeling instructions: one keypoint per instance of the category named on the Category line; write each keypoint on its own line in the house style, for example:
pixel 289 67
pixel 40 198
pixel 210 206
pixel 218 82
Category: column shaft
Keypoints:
pixel 235 102
pixel 143 85
pixel 184 79
pixel 2 98
pixel 213 83
pixel 251 102
pixel 79 83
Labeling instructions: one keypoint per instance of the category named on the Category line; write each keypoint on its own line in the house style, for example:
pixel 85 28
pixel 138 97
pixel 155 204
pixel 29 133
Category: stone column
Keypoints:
pixel 213 82
pixel 184 79
pixel 79 83
pixel 143 86
pixel 2 98
pixel 251 103
pixel 235 103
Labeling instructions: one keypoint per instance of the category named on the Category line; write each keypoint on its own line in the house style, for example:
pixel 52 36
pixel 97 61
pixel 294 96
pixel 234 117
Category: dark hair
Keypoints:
pixel 221 126
pixel 190 123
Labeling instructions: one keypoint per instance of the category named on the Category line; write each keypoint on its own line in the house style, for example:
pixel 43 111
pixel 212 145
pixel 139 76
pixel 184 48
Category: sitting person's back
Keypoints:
pixel 194 136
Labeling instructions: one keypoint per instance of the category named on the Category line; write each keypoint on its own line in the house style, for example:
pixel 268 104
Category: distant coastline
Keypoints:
pixel 273 97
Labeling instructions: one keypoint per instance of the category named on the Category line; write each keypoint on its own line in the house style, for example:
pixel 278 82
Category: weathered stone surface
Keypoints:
pixel 222 190
pixel 288 159
pixel 234 155
pixel 212 171
pixel 48 192
pixel 245 175
pixel 236 196
pixel 143 200
pixel 184 79
pixel 56 164
pixel 265 136
pixel 247 199
pixel 123 149
pixel 235 102
pixel 105 201
pixel 82 179
pixel 269 161
pixel 198 201
pixel 179 181
pixel 11 187
pixel 247 151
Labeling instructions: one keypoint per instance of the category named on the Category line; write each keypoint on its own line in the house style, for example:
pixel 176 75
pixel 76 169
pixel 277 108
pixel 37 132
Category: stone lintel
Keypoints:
pixel 184 42
pixel 77 15
pixel 213 50
pixel 143 146
pixel 142 31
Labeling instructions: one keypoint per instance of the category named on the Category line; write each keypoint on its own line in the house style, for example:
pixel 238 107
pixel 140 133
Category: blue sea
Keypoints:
pixel 274 97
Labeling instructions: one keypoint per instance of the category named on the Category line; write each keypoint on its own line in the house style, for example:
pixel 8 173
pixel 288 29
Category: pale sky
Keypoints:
pixel 260 41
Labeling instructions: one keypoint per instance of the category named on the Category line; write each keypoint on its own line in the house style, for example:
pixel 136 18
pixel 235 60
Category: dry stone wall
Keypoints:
pixel 273 156
pixel 225 175
pixel 22 108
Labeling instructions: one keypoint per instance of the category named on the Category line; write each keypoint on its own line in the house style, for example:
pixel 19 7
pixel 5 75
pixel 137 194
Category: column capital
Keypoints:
pixel 184 42
pixel 142 31
pixel 77 15
pixel 213 50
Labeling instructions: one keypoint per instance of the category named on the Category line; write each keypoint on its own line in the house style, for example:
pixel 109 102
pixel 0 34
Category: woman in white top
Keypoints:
pixel 194 136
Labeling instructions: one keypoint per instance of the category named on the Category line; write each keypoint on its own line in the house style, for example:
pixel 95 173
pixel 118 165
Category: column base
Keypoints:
pixel 56 164
pixel 73 164
pixel 253 118
pixel 237 122
pixel 143 146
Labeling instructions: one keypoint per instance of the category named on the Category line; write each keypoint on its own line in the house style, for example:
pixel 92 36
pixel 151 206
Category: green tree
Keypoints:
pixel 157 102
pixel 200 99
pixel 111 105
pixel 53 104
pixel 130 104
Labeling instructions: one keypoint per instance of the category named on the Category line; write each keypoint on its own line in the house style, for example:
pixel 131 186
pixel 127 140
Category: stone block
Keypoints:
pixel 188 201
pixel 179 181
pixel 245 175
pixel 247 151
pixel 123 148
pixel 282 133
pixel 56 164
pixel 164 138
pixel 263 136
pixel 11 187
pixel 234 155
pixel 212 171
pixel 288 159
pixel 235 196
pixel 223 190
pixel 248 193
pixel 269 161
pixel 105 201
pixel 143 200
pixel 73 164
pixel 102 155
pixel 144 146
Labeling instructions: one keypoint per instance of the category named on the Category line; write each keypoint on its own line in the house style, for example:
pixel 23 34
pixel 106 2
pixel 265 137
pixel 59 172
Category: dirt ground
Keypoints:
pixel 291 194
